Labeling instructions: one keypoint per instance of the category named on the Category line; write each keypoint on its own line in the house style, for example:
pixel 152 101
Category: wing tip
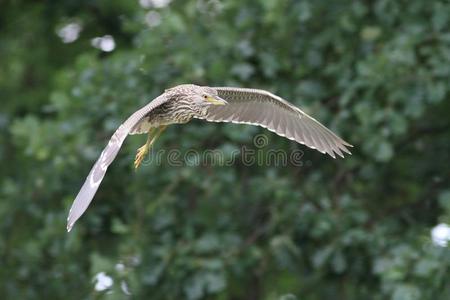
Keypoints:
pixel 347 144
pixel 346 151
pixel 339 149
pixel 69 227
pixel 331 153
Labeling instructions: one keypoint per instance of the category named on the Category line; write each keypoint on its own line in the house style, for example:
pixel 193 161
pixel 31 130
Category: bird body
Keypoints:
pixel 178 109
pixel 182 103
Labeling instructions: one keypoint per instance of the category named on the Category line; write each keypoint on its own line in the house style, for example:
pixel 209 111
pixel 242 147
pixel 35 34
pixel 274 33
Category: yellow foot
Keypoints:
pixel 140 155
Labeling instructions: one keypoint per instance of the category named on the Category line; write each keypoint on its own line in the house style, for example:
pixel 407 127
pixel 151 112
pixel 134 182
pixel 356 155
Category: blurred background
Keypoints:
pixel 371 226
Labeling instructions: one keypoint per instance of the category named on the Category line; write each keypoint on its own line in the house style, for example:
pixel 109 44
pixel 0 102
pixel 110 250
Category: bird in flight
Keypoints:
pixel 180 104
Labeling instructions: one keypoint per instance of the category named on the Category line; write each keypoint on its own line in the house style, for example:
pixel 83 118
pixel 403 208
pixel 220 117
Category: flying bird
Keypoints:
pixel 180 104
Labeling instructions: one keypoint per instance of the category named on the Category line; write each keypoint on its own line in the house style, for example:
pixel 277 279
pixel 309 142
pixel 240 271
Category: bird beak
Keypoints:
pixel 216 100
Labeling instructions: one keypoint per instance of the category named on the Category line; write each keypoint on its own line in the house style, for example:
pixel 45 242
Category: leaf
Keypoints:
pixel 406 292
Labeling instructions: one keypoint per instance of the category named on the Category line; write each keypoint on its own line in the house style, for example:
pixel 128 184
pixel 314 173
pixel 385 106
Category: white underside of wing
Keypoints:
pixel 98 171
pixel 266 127
pixel 262 108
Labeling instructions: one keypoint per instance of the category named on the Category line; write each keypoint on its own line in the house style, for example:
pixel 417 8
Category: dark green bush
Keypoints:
pixel 377 72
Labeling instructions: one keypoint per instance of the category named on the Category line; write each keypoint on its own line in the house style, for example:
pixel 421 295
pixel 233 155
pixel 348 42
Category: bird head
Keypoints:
pixel 199 98
pixel 206 96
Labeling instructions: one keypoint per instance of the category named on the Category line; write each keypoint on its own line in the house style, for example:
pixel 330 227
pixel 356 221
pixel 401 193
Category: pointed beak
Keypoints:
pixel 216 100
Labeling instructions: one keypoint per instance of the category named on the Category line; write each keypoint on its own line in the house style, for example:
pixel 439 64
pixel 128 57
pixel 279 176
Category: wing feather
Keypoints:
pixel 259 107
pixel 290 128
pixel 316 134
pixel 95 177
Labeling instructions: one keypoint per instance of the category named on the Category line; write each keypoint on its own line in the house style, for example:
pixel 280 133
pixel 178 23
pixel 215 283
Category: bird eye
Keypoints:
pixel 205 96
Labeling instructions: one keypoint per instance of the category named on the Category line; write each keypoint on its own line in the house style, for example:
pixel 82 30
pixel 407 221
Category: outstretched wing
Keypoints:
pixel 262 108
pixel 108 154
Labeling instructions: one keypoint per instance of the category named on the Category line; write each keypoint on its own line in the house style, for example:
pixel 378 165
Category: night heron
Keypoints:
pixel 182 103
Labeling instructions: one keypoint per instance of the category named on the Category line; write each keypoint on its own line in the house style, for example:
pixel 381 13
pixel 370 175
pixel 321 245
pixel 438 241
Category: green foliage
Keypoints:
pixel 359 228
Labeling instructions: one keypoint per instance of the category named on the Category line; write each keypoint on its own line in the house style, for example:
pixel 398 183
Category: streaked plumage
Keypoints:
pixel 216 104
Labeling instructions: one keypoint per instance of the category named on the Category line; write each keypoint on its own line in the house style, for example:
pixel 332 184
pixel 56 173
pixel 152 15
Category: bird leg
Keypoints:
pixel 153 134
